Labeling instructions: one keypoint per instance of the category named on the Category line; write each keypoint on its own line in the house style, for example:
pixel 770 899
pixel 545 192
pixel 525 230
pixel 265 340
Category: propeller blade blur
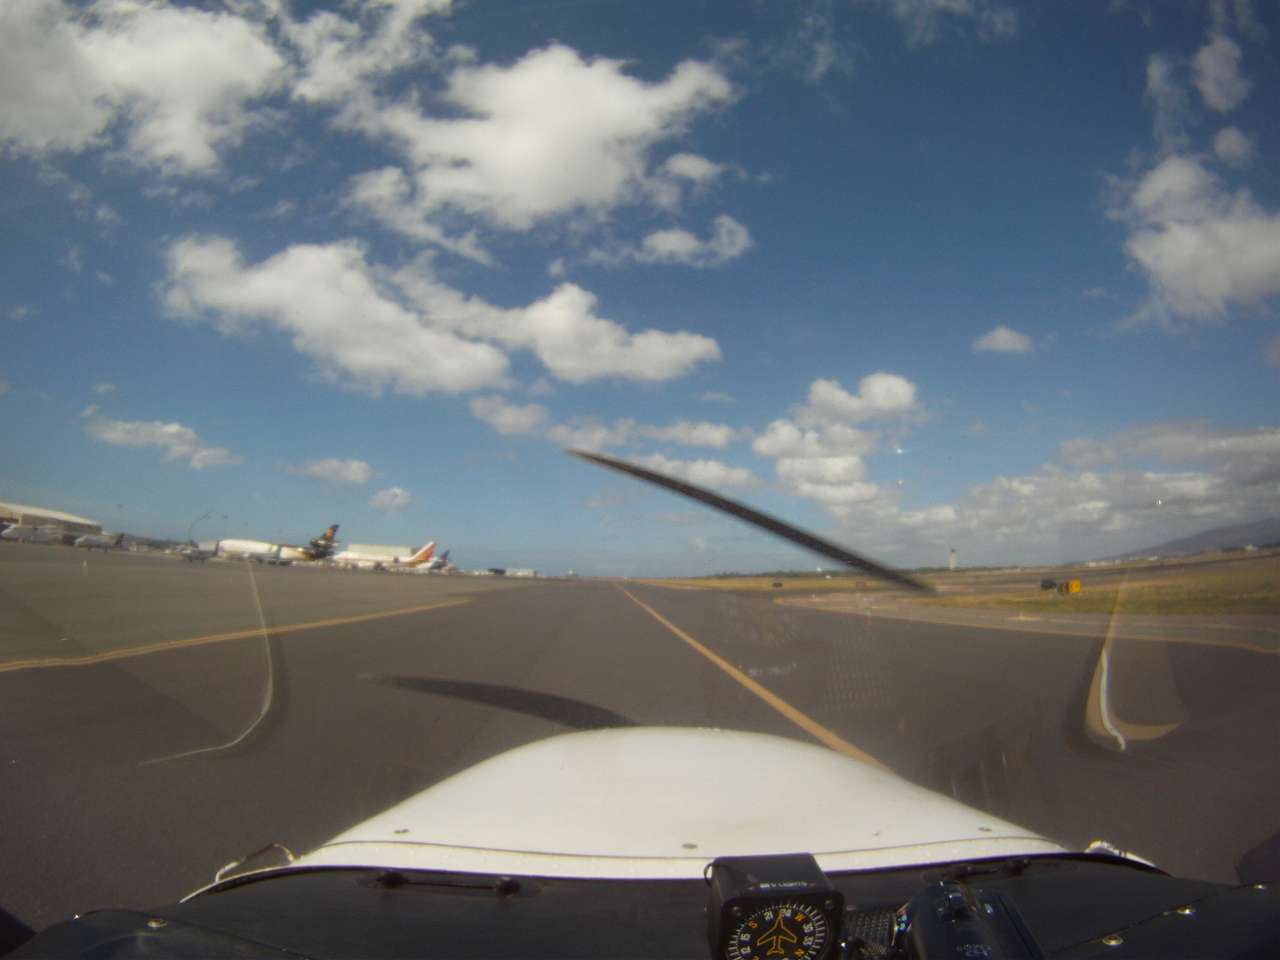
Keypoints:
pixel 779 528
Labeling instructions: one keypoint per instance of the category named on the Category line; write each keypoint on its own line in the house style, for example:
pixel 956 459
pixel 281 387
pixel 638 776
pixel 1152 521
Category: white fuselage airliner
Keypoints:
pixel 362 557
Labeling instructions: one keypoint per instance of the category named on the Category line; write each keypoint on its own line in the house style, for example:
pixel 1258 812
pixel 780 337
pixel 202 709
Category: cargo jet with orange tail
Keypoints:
pixel 374 557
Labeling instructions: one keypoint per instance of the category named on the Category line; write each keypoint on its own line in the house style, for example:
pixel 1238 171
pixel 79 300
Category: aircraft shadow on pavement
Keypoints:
pixel 546 706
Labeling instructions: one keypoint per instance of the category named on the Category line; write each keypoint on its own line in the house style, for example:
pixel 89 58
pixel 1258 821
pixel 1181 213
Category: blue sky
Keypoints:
pixel 917 274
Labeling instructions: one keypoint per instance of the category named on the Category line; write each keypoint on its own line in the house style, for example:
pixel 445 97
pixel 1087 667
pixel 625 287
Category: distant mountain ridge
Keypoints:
pixel 1257 532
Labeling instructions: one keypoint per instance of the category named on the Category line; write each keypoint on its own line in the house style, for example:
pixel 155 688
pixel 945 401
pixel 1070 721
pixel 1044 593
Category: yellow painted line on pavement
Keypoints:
pixel 1055 628
pixel 802 720
pixel 167 645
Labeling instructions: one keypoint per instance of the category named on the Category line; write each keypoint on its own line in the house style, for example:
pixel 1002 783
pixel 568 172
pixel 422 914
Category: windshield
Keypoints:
pixel 305 304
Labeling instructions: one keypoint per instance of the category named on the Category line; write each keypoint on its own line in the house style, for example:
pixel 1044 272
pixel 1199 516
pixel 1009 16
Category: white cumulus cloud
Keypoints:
pixel 577 346
pixel 386 196
pixel 1143 486
pixel 689 434
pixel 563 330
pixel 1202 248
pixel 548 135
pixel 347 472
pixel 783 438
pixel 591 434
pixel 1177 442
pixel 824 470
pixel 1216 67
pixel 705 473
pixel 102 389
pixel 509 418
pixel 1002 340
pixel 692 167
pixel 342 56
pixel 828 480
pixel 819 452
pixel 836 494
pixel 728 241
pixel 880 396
pixel 1232 147
pixel 822 463
pixel 178 441
pixel 179 82
pixel 1179 188
pixel 327 300
pixel 391 500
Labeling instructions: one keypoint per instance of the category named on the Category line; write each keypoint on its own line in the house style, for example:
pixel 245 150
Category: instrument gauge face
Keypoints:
pixel 772 907
pixel 786 930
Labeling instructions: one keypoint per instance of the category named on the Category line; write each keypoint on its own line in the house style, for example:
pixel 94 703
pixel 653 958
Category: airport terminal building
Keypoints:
pixel 15 514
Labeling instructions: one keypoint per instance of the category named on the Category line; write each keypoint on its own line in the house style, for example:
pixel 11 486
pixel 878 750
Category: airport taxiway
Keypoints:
pixel 159 719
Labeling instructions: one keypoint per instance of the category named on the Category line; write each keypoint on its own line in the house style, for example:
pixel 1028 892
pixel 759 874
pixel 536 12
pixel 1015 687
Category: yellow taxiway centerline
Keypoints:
pixel 802 720
pixel 167 645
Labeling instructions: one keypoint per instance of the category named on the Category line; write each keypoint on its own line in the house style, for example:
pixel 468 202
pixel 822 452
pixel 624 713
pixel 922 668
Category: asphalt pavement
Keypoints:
pixel 159 719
